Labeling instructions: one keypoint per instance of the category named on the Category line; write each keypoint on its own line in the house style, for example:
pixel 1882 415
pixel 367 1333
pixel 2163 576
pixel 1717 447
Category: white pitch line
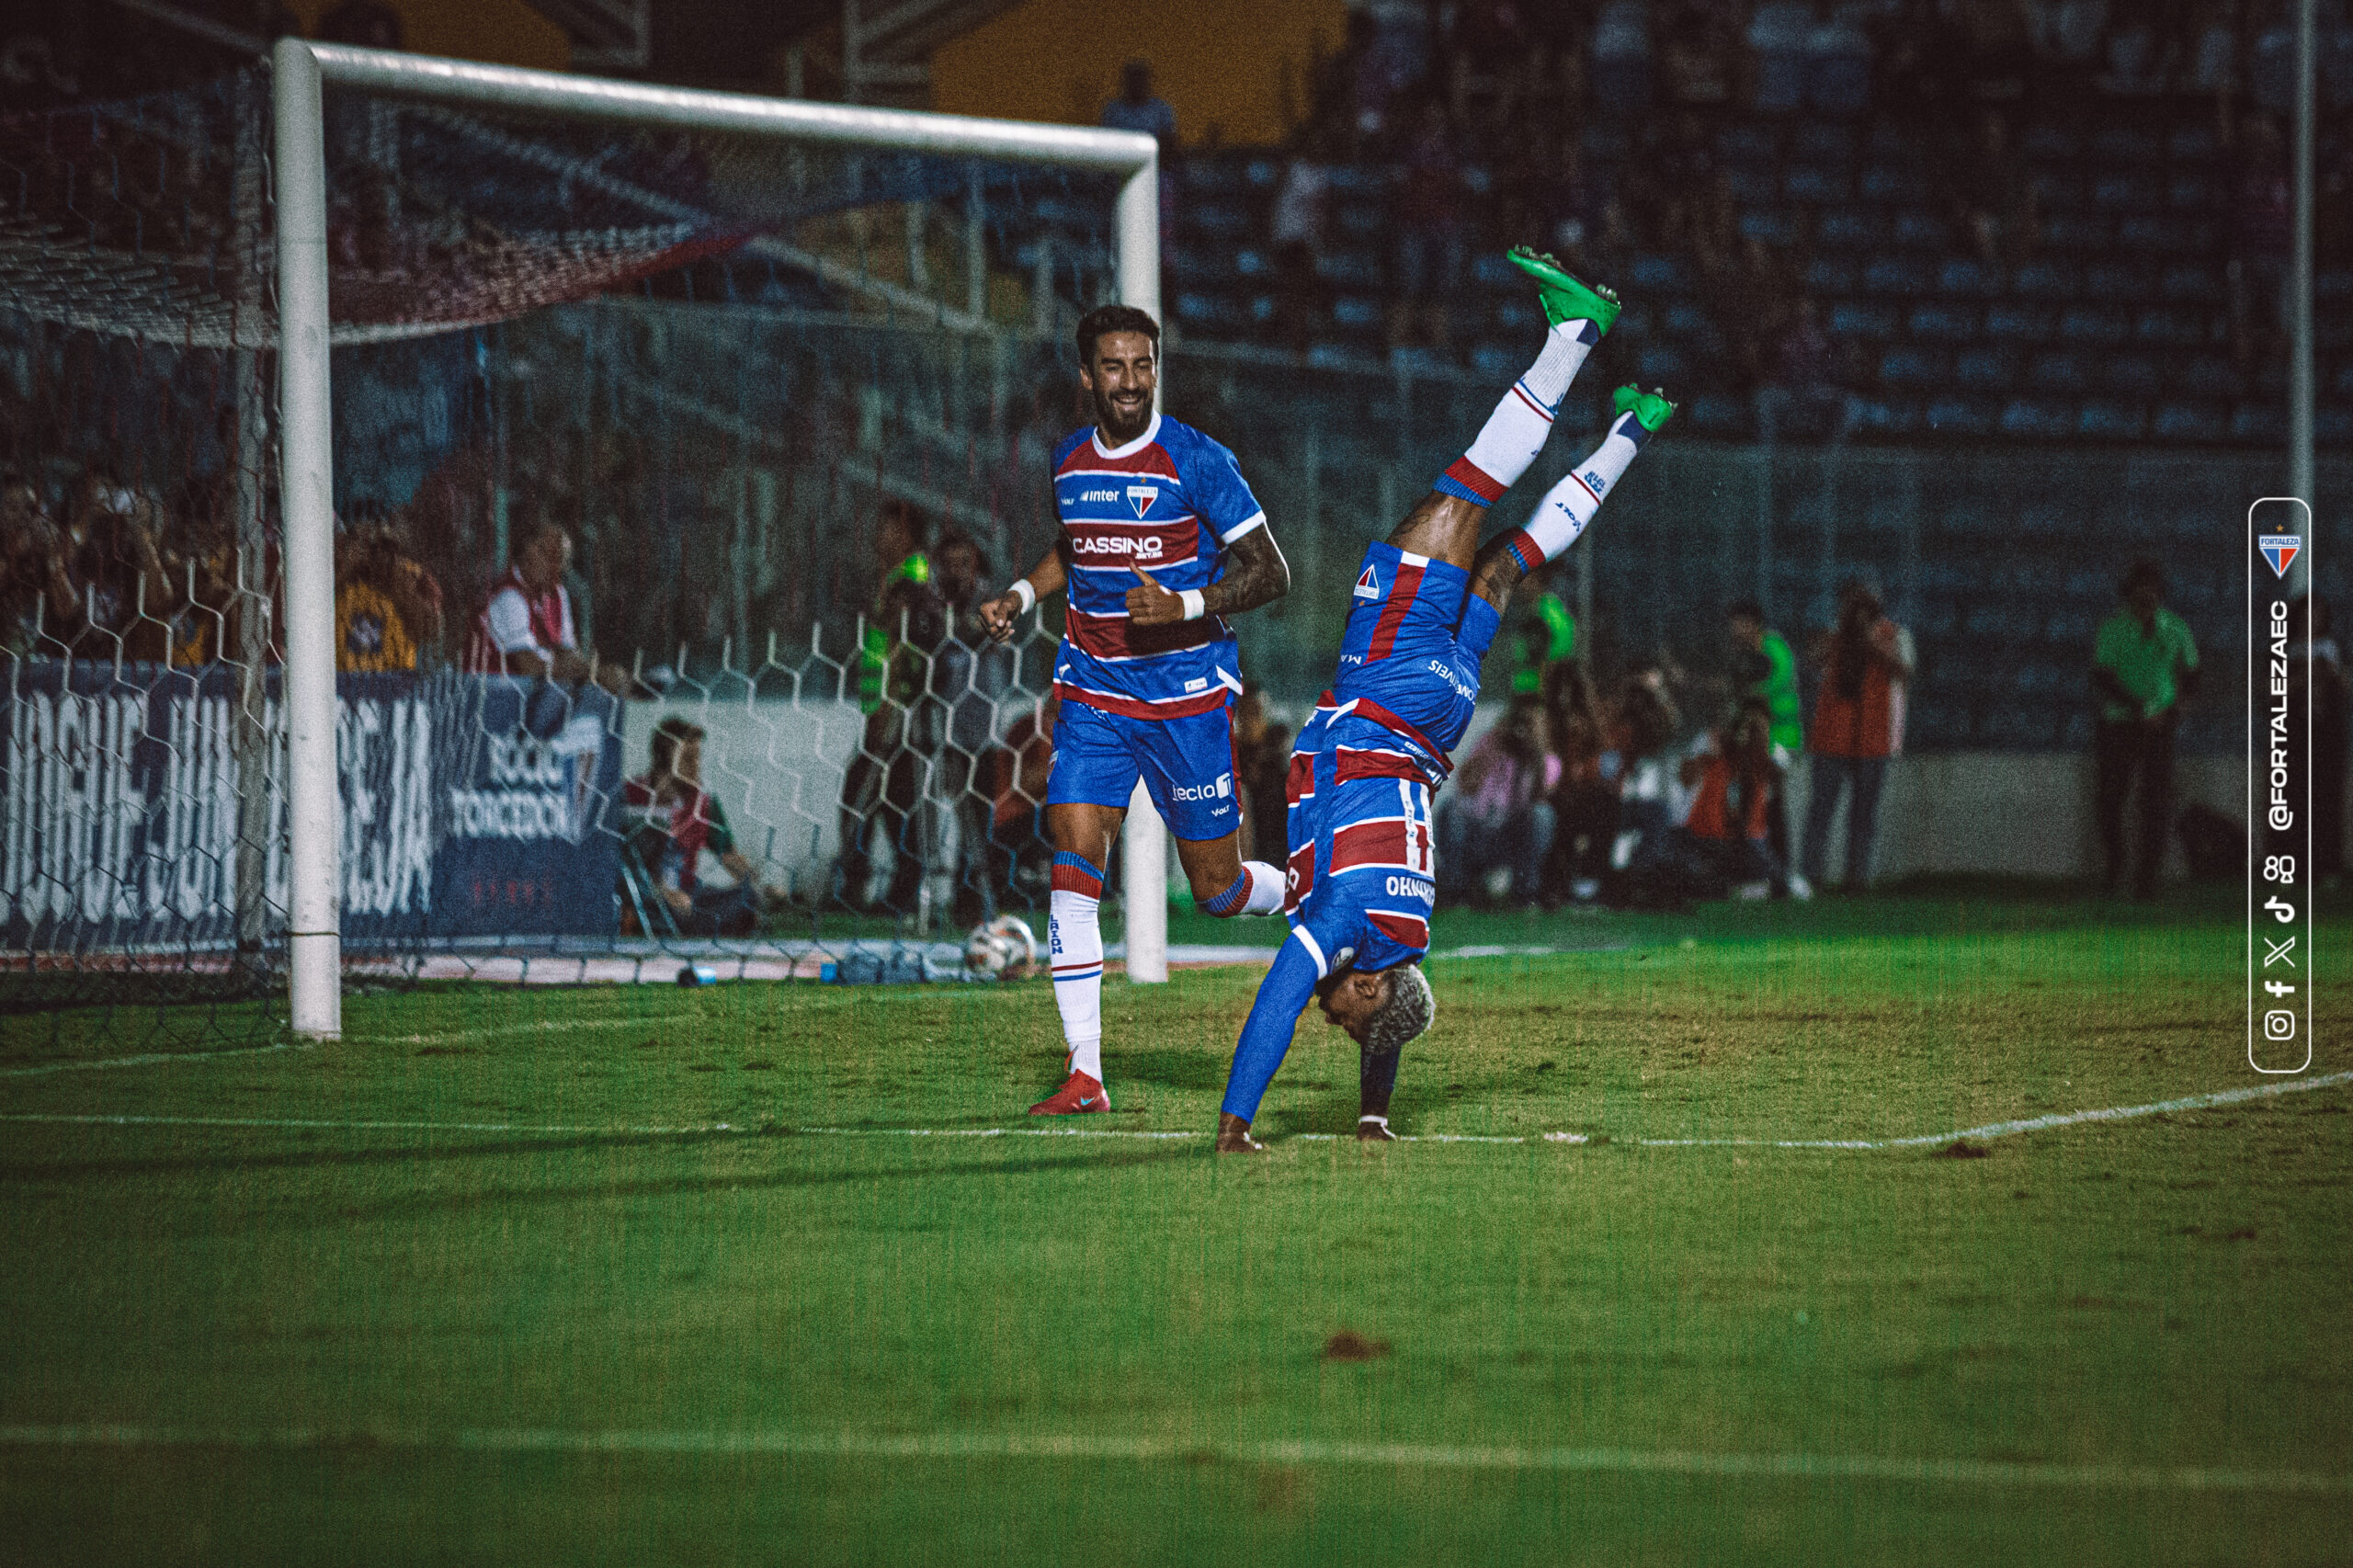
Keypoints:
pixel 158 1057
pixel 1990 1129
pixel 766 1444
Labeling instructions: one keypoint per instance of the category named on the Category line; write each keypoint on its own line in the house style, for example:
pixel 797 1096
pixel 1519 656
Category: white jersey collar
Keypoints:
pixel 1150 432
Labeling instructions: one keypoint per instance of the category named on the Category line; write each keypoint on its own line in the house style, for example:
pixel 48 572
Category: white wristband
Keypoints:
pixel 1023 591
pixel 1196 604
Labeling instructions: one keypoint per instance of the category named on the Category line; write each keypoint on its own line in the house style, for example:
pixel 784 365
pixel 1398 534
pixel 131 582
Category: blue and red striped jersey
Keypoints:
pixel 1171 501
pixel 1411 652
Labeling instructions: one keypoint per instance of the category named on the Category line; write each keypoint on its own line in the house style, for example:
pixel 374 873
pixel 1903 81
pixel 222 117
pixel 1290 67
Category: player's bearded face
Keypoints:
pixel 1122 377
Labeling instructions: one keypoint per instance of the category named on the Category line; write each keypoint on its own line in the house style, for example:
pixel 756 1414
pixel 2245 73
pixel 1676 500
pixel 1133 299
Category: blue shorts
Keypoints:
pixel 1187 765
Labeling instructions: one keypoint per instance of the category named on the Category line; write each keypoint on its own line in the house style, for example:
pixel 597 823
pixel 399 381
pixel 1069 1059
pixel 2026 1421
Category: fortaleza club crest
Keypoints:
pixel 1368 585
pixel 2280 550
pixel 1142 496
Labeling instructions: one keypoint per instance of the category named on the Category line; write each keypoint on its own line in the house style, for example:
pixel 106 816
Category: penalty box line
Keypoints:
pixel 1990 1129
pixel 756 1444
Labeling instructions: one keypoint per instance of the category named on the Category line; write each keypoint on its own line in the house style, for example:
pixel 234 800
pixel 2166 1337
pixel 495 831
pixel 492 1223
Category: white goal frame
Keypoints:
pixel 302 70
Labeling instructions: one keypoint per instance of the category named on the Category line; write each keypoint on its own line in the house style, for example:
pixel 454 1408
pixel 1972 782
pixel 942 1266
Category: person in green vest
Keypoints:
pixel 1548 636
pixel 1765 668
pixel 885 780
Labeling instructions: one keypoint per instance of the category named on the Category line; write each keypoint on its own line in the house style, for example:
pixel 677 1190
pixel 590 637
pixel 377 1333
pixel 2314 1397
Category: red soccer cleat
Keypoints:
pixel 1079 1096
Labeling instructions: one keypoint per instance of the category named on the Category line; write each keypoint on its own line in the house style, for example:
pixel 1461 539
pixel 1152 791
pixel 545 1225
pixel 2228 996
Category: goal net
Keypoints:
pixel 538 540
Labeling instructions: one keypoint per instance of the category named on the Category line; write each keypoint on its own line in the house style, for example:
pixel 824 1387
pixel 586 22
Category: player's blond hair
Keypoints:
pixel 1407 1015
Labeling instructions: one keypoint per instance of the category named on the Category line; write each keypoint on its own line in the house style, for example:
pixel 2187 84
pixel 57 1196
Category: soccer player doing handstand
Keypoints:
pixel 1427 603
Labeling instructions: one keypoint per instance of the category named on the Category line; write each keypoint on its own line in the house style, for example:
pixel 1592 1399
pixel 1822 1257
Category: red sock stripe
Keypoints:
pixel 1070 879
pixel 1469 475
pixel 1524 547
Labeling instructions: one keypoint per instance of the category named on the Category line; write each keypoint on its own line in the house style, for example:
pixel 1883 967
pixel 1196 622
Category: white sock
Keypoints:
pixel 1074 949
pixel 1516 432
pixel 1265 888
pixel 1569 506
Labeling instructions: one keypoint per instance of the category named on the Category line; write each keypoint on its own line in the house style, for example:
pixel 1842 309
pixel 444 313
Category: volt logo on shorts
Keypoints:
pixel 1217 791
pixel 1368 585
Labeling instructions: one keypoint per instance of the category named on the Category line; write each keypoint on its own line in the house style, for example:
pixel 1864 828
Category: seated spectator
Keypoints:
pixel 123 591
pixel 1837 63
pixel 37 599
pixel 1991 196
pixel 1809 392
pixel 1138 107
pixel 387 606
pixel 526 627
pixel 1622 59
pixel 1497 814
pixel 1299 238
pixel 1723 845
pixel 1431 237
pixel 669 820
pixel 1584 803
pixel 1778 32
pixel 1867 666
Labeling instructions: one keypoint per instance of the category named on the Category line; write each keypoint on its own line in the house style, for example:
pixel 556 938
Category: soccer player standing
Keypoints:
pixel 1427 602
pixel 1161 540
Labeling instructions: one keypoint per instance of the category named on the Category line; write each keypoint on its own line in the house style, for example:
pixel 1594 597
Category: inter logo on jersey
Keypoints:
pixel 1142 496
pixel 1368 585
pixel 2280 551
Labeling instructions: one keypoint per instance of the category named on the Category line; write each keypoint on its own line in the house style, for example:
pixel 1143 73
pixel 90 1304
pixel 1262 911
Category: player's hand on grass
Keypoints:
pixel 1149 604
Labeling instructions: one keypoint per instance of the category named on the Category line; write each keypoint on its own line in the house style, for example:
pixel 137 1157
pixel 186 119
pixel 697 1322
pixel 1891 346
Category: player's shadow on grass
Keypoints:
pixel 1335 1113
pixel 424 1204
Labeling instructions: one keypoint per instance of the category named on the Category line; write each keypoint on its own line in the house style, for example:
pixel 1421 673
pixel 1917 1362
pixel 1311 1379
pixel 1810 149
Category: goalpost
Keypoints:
pixel 302 72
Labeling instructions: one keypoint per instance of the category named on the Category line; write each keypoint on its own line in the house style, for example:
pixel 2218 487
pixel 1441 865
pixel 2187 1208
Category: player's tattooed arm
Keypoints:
pixel 999 615
pixel 1256 573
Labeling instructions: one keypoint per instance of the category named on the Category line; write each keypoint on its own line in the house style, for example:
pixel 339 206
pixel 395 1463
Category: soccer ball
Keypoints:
pixel 1004 948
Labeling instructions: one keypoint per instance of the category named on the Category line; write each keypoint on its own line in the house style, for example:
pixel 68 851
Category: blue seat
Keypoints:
pixel 2189 280
pixel 2116 282
pixel 1945 320
pixel 1518 312
pixel 1685 319
pixel 2093 323
pixel 2106 419
pixel 2205 375
pixel 2174 326
pixel 1495 361
pixel 1858 318
pixel 1262 174
pixel 2046 279
pixel 2060 370
pixel 1849 226
pixel 1261 308
pixel 2158 236
pixel 2191 422
pixel 1966 277
pixel 2125 145
pixel 1207 177
pixel 1719 414
pixel 2041 418
pixel 1208 312
pixel 2015 321
pixel 2260 422
pixel 2130 375
pixel 2125 193
pixel 2191 143
pixel 1774 225
pixel 1358 179
pixel 1984 370
pixel 1356 310
pixel 1961 416
pixel 1918 226
pixel 2192 193
pixel 1660 364
pixel 2075 231
pixel 1817 183
pixel 1830 275
pixel 1490 268
pixel 1892 183
pixel 1216 217
pixel 1353 268
pixel 1661 272
pixel 1887 415
pixel 1252 262
pixel 1901 275
pixel 1361 219
pixel 2332 424
pixel 1905 365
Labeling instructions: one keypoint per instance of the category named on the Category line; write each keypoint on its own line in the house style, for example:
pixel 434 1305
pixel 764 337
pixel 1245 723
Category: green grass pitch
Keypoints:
pixel 660 1276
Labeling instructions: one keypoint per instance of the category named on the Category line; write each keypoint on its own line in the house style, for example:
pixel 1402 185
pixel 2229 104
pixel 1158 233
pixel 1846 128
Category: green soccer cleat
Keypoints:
pixel 1565 298
pixel 1651 409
